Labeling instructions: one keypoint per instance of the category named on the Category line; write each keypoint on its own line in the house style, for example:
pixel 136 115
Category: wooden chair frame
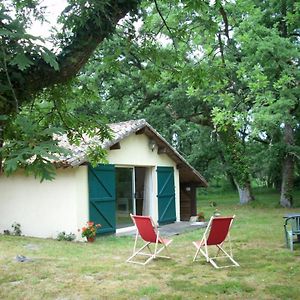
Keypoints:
pixel 203 244
pixel 151 254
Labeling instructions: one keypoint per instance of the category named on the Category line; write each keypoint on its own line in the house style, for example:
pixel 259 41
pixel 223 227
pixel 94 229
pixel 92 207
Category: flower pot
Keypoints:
pixel 90 239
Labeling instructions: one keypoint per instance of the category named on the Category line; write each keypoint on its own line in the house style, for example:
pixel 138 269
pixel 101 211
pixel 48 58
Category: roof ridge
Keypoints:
pixel 120 131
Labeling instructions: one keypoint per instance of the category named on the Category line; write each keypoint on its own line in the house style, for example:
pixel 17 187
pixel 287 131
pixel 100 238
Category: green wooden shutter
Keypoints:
pixel 102 197
pixel 166 195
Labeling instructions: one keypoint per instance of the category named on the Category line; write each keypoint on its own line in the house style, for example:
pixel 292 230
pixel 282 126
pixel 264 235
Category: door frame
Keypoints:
pixel 150 184
pixel 132 183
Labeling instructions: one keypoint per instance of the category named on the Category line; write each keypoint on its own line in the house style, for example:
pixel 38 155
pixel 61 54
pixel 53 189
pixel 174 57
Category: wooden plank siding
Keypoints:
pixel 188 205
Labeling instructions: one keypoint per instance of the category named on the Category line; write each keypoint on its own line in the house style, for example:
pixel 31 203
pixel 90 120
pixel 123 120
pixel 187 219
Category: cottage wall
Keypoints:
pixel 135 151
pixel 47 208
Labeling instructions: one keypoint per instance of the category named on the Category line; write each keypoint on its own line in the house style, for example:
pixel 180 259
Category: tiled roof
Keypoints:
pixel 124 129
pixel 119 132
pixel 78 152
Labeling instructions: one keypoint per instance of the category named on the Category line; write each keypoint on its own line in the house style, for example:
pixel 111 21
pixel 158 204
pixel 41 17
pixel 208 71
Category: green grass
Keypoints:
pixel 64 270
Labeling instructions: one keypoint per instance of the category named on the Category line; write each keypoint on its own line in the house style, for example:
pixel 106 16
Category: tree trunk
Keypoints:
pixel 287 184
pixel 228 173
pixel 73 56
pixel 235 158
pixel 245 192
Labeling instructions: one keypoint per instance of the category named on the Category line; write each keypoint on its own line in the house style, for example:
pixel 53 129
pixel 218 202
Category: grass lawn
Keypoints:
pixel 68 270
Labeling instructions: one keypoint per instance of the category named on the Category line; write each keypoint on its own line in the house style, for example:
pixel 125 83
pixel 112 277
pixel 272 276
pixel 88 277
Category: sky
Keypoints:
pixel 54 8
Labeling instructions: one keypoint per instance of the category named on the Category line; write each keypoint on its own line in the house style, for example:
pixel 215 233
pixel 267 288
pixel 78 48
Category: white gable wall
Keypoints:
pixel 135 152
pixel 47 208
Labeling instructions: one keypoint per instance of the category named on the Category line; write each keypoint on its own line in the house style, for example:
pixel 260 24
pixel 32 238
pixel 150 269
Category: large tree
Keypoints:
pixel 269 40
pixel 152 78
pixel 27 68
pixel 218 79
pixel 208 65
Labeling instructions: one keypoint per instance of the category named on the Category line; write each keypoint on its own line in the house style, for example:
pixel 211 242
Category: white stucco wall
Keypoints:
pixel 82 197
pixel 47 208
pixel 135 152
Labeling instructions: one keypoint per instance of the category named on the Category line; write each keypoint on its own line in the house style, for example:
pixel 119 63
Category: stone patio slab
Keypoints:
pixel 171 229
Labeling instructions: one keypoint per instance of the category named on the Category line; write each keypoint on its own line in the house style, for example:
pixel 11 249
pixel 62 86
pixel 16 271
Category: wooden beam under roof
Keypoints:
pixel 141 131
pixel 162 150
pixel 115 146
pixel 179 166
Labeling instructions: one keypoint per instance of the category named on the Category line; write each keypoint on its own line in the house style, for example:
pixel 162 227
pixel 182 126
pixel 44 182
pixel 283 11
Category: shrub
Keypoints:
pixel 16 229
pixel 62 236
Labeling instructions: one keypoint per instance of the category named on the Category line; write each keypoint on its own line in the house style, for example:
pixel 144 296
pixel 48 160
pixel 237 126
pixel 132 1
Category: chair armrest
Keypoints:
pixel 286 221
pixel 294 229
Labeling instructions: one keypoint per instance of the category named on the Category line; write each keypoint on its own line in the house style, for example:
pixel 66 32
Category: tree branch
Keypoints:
pixel 225 20
pixel 9 81
pixel 165 23
pixel 221 48
pixel 76 54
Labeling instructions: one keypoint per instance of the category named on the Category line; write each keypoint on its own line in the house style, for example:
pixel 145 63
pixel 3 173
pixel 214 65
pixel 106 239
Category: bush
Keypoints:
pixel 16 229
pixel 62 236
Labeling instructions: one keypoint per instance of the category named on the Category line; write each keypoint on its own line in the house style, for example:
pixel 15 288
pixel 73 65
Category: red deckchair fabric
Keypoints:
pixel 145 227
pixel 219 230
pixel 216 234
pixel 147 230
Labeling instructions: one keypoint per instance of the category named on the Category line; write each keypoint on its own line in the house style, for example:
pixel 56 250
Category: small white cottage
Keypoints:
pixel 145 175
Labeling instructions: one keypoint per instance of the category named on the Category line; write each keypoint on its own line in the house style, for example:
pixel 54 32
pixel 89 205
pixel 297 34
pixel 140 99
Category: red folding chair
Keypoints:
pixel 215 235
pixel 149 233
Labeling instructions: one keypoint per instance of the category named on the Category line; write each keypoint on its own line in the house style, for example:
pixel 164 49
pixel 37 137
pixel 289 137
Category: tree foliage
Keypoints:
pixel 33 104
pixel 219 80
pixel 221 75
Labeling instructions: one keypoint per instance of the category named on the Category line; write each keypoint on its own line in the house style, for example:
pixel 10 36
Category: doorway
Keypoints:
pixel 124 197
pixel 133 194
pixel 139 190
pixel 143 191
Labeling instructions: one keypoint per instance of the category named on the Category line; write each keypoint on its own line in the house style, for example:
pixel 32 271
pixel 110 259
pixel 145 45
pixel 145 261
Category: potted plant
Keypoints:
pixel 201 217
pixel 89 231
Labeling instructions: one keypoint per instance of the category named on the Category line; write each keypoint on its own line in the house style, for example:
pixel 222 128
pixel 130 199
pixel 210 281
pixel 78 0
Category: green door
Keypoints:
pixel 102 197
pixel 166 195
